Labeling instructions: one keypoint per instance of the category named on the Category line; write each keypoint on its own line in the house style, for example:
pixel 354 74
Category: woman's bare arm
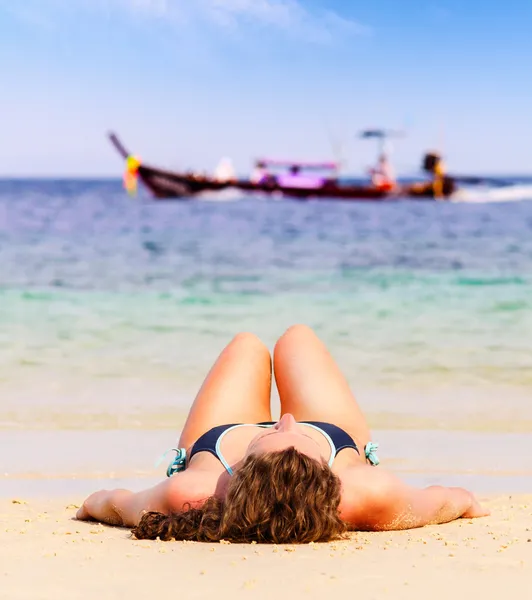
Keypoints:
pixel 411 507
pixel 122 507
pixel 386 503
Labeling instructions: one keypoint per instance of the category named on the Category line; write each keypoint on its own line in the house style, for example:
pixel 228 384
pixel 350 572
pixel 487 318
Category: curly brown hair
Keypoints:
pixel 279 497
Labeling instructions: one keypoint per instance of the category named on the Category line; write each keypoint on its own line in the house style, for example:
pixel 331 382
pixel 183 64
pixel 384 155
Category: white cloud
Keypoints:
pixel 288 16
pixel 280 13
pixel 335 21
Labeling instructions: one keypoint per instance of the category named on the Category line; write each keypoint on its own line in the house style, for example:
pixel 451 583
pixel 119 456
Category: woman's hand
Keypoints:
pixel 100 506
pixel 83 514
pixel 476 510
pixel 437 504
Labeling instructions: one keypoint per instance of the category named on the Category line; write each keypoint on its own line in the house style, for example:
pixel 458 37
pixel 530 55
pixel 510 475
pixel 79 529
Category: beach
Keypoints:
pixel 72 559
pixel 111 313
pixel 176 176
pixel 45 554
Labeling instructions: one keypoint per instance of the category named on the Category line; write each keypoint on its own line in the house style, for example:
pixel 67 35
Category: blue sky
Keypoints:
pixel 185 82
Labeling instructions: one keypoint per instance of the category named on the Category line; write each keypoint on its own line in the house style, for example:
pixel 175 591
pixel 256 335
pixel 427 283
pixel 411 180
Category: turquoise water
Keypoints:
pixel 112 310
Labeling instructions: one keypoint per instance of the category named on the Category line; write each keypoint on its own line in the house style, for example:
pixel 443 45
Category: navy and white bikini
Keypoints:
pixel 211 441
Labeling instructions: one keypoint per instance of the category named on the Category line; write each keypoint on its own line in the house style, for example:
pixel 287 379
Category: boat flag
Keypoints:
pixel 131 174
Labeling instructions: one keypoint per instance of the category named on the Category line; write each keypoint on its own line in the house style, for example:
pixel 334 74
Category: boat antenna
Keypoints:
pixel 382 136
pixel 337 144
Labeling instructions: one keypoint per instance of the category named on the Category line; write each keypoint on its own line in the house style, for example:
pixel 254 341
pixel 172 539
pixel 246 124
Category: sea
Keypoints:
pixel 112 310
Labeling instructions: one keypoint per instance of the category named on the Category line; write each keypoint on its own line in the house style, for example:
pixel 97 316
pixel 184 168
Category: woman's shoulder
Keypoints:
pixel 192 486
pixel 366 491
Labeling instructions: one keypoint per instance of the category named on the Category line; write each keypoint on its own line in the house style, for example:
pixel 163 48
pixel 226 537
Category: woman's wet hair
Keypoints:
pixel 282 497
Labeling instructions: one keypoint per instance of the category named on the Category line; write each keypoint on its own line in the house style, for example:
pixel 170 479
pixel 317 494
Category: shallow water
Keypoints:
pixel 111 309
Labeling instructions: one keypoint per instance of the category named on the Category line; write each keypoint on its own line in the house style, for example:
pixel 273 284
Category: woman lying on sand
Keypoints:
pixel 309 477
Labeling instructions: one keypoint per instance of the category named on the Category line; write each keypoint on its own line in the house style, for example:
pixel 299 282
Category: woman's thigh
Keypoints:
pixel 311 385
pixel 236 389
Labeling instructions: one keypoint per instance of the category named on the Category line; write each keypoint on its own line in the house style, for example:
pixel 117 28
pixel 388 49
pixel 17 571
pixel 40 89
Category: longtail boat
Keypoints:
pixel 166 184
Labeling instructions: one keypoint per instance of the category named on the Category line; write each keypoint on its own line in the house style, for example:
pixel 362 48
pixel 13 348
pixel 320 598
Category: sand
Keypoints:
pixel 46 554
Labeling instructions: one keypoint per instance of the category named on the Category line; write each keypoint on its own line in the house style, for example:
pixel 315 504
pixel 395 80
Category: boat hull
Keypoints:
pixel 171 185
pixel 168 185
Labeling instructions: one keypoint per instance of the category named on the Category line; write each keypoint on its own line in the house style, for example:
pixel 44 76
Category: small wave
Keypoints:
pixel 198 300
pixel 38 296
pixel 490 281
pixel 153 247
pixel 227 195
pixel 511 306
pixel 511 193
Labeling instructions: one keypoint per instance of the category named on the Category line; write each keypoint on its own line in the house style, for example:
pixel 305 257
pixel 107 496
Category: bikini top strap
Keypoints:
pixel 265 426
pixel 224 433
pixel 327 437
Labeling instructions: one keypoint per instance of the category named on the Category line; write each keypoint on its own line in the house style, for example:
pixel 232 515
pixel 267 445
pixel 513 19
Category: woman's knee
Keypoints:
pixel 249 342
pixel 297 332
pixel 294 336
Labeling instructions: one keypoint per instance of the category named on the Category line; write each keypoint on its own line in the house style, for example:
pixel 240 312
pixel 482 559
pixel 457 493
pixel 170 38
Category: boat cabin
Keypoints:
pixel 294 174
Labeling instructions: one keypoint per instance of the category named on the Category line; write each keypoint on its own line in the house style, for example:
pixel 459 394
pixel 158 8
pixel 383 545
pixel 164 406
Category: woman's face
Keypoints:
pixel 286 433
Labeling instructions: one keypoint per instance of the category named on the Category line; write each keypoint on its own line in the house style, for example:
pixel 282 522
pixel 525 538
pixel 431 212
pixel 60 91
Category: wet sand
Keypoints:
pixel 71 463
pixel 46 554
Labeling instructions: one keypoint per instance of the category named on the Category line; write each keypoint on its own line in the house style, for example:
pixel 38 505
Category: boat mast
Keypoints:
pixel 382 136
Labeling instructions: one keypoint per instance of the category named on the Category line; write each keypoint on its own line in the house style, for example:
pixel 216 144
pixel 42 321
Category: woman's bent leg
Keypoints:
pixel 311 385
pixel 236 390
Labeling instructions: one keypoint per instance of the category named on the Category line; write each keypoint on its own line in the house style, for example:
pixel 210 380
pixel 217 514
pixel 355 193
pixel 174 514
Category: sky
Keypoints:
pixel 186 82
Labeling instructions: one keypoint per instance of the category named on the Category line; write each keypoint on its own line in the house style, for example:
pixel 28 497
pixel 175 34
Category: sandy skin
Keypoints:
pixel 45 553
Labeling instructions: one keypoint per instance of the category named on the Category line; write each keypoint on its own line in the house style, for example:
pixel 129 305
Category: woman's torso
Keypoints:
pixel 234 444
pixel 206 476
